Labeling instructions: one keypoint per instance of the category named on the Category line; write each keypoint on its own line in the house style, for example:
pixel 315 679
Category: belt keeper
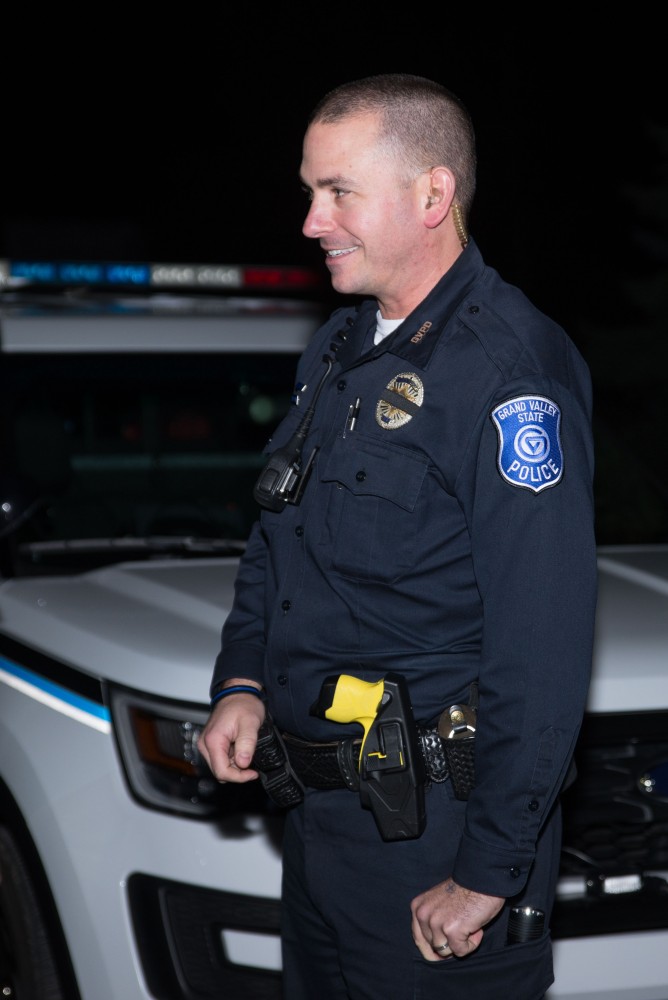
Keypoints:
pixel 347 756
pixel 271 760
pixel 461 761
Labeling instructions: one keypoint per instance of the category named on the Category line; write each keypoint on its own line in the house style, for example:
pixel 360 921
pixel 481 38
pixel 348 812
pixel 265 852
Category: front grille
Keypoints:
pixel 615 840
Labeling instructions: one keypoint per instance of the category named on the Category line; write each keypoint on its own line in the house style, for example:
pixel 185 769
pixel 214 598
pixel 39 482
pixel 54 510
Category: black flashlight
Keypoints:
pixel 525 923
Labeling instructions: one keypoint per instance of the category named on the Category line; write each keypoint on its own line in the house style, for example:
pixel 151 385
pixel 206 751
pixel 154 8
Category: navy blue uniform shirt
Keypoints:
pixel 448 536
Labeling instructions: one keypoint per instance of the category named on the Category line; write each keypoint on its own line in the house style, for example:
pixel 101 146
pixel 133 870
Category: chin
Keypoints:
pixel 347 285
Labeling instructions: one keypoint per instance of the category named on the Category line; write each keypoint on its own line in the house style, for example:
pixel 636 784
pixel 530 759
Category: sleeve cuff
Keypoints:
pixel 243 661
pixel 494 872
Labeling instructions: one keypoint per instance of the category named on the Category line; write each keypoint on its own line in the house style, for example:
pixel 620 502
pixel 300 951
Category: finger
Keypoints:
pixel 427 951
pixel 463 945
pixel 216 754
pixel 229 771
pixel 244 748
pixel 219 756
pixel 421 943
pixel 241 775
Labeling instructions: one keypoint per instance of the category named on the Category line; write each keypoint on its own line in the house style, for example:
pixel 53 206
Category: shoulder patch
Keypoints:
pixel 530 452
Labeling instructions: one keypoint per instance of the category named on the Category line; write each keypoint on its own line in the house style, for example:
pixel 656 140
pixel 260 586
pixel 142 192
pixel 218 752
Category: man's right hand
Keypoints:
pixel 227 742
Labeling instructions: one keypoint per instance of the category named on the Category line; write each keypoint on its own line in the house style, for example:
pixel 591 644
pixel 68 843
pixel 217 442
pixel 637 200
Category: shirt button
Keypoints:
pixel 299 531
pixel 286 605
pixel 360 476
pixel 474 309
pixel 282 680
pixel 515 872
pixel 341 384
pixel 533 806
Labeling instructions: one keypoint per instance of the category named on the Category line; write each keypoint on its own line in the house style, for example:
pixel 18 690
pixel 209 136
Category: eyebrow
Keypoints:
pixel 338 180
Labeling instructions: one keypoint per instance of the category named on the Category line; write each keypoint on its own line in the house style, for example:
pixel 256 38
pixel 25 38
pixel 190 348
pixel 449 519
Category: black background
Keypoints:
pixel 174 134
pixel 161 136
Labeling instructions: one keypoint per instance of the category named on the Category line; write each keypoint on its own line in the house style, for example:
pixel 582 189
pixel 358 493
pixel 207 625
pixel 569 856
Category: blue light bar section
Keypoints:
pixel 116 274
pixel 80 273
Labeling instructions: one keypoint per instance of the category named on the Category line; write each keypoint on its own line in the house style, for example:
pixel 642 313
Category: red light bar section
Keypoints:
pixel 280 277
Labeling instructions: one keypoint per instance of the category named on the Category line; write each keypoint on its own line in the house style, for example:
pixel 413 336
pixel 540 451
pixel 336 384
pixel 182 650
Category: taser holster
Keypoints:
pixel 391 767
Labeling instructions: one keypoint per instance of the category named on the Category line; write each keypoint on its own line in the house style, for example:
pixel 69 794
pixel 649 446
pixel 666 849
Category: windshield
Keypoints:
pixel 132 446
pixel 132 456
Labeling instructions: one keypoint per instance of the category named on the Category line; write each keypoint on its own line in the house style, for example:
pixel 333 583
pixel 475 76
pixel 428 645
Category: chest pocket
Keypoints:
pixel 371 519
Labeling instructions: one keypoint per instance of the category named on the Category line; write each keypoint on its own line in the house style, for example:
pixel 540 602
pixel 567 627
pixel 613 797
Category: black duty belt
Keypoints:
pixel 389 768
pixel 335 764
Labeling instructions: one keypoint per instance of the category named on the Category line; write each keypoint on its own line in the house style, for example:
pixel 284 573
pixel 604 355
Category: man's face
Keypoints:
pixel 367 219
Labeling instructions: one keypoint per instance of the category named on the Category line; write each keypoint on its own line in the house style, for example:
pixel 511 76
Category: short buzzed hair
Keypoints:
pixel 422 124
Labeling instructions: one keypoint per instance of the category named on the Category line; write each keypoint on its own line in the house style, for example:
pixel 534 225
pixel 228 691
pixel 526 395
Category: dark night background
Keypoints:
pixel 174 134
pixel 175 137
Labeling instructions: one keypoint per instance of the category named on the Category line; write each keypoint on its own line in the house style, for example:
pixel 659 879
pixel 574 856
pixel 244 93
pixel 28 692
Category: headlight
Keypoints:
pixel 157 741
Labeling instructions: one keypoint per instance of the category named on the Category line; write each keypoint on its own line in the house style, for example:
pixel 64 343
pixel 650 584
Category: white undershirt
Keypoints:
pixel 384 327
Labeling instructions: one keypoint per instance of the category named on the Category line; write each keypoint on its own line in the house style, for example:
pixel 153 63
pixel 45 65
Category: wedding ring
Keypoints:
pixel 443 948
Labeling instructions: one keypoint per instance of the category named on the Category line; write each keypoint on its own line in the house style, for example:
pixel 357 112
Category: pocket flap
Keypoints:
pixel 368 468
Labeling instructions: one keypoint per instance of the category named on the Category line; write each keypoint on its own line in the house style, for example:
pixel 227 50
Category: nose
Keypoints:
pixel 318 220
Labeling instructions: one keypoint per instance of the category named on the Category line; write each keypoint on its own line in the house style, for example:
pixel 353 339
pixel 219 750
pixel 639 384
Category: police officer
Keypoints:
pixel 428 514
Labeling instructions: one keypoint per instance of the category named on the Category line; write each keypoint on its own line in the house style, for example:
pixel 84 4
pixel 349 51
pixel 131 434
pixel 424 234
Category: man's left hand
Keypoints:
pixel 449 920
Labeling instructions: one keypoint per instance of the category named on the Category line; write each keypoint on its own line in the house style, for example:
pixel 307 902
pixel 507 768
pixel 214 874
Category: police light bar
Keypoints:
pixel 110 274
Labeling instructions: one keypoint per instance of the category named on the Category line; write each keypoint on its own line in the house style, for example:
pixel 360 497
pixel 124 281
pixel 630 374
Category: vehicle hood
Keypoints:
pixel 156 625
pixel 153 626
pixel 630 669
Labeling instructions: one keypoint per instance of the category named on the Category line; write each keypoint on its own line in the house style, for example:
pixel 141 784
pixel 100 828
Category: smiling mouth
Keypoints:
pixel 340 253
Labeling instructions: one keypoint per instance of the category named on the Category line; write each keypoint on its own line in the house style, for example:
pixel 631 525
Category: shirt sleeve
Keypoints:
pixel 242 652
pixel 534 556
pixel 243 638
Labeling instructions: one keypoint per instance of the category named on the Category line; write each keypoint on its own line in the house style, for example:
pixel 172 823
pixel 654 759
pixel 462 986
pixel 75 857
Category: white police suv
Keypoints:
pixel 136 400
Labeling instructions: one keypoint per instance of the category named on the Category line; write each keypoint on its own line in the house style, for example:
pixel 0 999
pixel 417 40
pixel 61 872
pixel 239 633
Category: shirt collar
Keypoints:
pixel 415 339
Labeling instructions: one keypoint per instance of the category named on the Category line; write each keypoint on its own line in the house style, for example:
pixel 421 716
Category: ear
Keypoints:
pixel 439 196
